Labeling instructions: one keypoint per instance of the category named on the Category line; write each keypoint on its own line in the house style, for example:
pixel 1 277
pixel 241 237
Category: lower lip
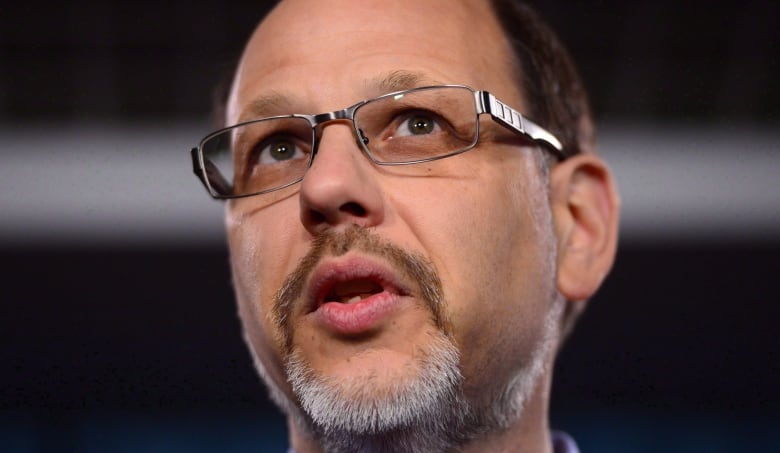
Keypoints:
pixel 359 317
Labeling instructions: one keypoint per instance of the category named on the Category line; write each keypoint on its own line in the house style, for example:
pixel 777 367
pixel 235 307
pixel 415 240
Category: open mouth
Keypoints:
pixel 353 295
pixel 352 291
pixel 351 281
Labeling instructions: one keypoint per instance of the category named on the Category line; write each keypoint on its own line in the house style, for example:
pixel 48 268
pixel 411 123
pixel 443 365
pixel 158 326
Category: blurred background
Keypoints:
pixel 117 323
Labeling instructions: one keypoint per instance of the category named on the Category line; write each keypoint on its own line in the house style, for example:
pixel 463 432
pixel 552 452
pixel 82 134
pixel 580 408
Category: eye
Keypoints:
pixel 418 124
pixel 278 149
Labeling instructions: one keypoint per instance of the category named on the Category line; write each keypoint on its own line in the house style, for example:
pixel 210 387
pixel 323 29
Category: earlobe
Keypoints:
pixel 585 209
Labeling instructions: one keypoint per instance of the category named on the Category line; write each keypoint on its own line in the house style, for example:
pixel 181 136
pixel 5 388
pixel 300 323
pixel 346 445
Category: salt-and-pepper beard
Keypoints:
pixel 424 413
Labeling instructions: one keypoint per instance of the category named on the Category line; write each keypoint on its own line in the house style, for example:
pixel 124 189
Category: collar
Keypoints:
pixel 561 442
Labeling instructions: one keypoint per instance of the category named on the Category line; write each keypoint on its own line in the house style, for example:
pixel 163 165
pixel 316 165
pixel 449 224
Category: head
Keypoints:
pixel 419 306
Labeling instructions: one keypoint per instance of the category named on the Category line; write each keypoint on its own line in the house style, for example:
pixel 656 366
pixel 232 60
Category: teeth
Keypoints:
pixel 348 292
pixel 354 299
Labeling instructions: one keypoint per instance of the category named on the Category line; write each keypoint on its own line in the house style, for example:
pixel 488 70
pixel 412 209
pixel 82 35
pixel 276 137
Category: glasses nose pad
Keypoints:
pixel 362 137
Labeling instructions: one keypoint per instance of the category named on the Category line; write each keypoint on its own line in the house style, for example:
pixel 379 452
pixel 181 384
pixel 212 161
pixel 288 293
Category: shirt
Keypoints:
pixel 562 443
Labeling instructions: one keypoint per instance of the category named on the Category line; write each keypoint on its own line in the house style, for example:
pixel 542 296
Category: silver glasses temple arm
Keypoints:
pixel 514 120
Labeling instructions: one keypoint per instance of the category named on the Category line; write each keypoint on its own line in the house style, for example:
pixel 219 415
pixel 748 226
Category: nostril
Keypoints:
pixel 354 209
pixel 346 211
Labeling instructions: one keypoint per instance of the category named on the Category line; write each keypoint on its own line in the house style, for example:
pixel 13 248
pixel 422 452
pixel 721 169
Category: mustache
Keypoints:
pixel 414 268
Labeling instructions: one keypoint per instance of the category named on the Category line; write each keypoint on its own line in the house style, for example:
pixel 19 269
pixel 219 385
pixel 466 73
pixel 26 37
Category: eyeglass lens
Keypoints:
pixel 407 127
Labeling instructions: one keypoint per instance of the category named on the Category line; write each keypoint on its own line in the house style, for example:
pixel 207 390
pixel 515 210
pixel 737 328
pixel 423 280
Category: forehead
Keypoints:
pixel 336 52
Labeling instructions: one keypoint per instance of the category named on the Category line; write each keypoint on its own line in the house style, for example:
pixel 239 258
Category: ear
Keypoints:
pixel 585 209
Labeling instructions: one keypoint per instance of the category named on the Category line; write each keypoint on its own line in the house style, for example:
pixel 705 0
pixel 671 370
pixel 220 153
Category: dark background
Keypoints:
pixel 111 346
pixel 689 60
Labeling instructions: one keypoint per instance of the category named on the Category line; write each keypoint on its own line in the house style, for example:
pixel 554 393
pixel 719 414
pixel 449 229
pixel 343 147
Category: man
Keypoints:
pixel 407 267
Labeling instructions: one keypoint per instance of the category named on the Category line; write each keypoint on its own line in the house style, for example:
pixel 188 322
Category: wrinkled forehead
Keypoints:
pixel 319 45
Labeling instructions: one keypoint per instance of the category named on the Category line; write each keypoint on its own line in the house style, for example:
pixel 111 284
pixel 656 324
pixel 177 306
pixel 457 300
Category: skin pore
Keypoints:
pixel 481 223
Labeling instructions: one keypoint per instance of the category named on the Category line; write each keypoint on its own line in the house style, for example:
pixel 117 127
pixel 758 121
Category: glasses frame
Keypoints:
pixel 485 103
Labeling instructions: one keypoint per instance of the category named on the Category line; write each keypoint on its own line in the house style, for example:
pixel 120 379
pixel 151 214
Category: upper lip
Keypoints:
pixel 369 275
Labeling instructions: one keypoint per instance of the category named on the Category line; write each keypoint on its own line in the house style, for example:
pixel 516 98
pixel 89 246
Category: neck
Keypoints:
pixel 529 434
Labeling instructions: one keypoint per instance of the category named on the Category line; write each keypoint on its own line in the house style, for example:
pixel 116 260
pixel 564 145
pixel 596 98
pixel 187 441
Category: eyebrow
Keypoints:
pixel 399 80
pixel 270 104
pixel 279 103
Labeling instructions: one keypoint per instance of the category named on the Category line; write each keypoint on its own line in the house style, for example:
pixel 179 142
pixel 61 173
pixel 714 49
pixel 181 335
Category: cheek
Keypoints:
pixel 492 270
pixel 261 254
pixel 489 248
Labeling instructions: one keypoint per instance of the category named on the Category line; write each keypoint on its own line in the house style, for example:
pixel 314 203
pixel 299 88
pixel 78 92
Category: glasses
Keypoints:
pixel 402 128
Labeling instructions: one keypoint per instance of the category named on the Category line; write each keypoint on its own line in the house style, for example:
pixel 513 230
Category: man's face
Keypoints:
pixel 478 220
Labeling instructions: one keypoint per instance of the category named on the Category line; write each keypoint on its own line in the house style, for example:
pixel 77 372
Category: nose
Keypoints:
pixel 340 188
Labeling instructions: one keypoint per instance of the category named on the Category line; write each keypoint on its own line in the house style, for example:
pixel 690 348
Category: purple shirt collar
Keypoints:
pixel 562 443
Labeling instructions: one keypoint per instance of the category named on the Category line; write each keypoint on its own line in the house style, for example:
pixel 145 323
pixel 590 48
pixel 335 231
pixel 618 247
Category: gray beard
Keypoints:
pixel 411 415
pixel 426 413
pixel 425 409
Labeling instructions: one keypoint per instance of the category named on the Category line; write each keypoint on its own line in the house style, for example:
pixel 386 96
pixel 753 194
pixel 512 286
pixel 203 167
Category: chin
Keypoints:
pixel 381 367
pixel 377 390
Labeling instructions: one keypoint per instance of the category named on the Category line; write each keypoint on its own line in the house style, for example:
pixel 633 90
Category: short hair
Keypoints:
pixel 550 83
